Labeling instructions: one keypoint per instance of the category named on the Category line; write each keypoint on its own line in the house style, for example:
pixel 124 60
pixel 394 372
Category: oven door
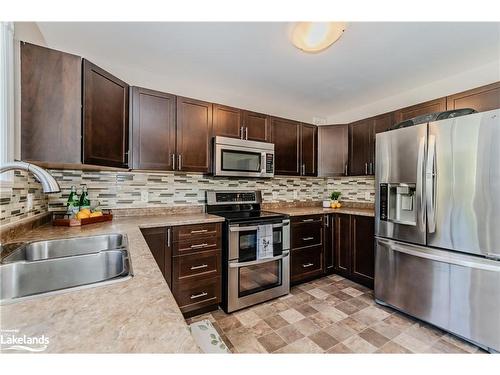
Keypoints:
pixel 238 161
pixel 252 280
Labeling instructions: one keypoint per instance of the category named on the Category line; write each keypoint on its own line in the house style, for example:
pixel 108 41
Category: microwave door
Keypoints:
pixel 237 161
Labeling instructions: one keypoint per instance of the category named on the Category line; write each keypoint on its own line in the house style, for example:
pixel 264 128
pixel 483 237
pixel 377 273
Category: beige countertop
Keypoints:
pixel 302 211
pixel 136 315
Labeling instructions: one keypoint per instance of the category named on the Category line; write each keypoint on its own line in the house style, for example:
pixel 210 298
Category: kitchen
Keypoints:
pixel 150 215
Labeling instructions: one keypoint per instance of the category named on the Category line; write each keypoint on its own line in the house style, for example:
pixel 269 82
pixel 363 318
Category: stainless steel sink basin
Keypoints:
pixel 66 247
pixel 50 267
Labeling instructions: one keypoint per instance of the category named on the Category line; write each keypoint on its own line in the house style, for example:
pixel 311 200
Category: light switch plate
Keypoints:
pixel 295 194
pixel 144 197
pixel 275 195
pixel 29 202
pixel 367 195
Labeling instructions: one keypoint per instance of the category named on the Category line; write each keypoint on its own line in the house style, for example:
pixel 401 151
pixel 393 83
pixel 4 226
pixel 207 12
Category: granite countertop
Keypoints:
pixel 136 315
pixel 318 210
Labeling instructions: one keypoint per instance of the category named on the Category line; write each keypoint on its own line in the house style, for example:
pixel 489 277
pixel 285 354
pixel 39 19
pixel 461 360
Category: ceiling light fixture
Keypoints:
pixel 316 36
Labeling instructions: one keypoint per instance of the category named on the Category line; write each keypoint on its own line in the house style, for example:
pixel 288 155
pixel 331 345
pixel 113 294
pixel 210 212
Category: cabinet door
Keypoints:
pixel 153 129
pixel 360 147
pixel 105 118
pixel 227 121
pixel 381 124
pixel 342 245
pixel 257 126
pixel 329 243
pixel 286 137
pixel 194 135
pixel 159 243
pixel 309 150
pixel 481 99
pixel 333 150
pixel 436 105
pixel 363 249
pixel 51 91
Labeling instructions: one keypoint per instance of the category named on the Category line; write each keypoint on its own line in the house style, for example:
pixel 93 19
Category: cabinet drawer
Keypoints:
pixel 195 231
pixel 306 263
pixel 307 232
pixel 196 245
pixel 200 265
pixel 195 294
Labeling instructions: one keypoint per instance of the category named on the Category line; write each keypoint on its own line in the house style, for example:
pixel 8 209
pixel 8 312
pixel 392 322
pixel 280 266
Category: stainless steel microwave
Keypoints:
pixel 241 158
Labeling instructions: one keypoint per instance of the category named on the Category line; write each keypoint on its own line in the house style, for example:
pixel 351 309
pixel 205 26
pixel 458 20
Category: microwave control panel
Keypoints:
pixel 269 163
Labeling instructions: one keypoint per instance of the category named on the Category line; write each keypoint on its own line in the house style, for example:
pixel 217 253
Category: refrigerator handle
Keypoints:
pixel 429 184
pixel 420 182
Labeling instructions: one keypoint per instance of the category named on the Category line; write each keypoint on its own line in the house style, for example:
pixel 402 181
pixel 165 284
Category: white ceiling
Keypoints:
pixel 254 66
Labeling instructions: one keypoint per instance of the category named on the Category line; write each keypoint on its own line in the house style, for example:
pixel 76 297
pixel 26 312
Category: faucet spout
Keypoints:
pixel 49 184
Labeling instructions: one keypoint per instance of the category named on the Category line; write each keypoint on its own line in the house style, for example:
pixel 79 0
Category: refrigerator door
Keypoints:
pixel 399 187
pixel 463 184
pixel 457 292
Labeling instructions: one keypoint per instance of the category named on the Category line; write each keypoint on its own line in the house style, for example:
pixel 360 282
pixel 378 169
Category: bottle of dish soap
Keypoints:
pixel 73 204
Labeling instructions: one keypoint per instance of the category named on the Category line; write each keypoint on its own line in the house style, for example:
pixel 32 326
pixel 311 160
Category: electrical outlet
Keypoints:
pixel 367 196
pixel 144 197
pixel 275 195
pixel 295 194
pixel 29 202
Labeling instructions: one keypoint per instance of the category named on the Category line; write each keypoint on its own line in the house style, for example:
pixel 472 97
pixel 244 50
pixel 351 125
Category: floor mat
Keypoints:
pixel 207 338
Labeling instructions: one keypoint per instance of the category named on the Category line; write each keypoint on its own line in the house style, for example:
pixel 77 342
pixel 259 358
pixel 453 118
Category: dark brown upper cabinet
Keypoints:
pixel 333 150
pixel 153 129
pixel 436 105
pixel 194 135
pixel 257 126
pixel 51 89
pixel 308 150
pixel 228 121
pixel 360 138
pixel 238 123
pixel 481 99
pixel 286 138
pixel 105 118
pixel 380 124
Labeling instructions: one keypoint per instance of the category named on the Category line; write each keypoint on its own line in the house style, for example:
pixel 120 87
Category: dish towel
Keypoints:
pixel 265 241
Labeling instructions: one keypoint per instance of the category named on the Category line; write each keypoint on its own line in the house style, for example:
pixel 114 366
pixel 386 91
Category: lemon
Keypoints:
pixel 96 214
pixel 82 215
pixel 85 211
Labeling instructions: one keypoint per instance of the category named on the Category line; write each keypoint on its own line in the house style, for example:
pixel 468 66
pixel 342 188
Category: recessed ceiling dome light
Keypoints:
pixel 316 36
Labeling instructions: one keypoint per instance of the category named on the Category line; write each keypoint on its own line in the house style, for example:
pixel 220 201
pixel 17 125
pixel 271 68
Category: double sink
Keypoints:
pixel 54 266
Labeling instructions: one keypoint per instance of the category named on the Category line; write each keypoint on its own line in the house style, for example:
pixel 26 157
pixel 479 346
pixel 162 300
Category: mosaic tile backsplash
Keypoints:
pixel 14 201
pixel 114 189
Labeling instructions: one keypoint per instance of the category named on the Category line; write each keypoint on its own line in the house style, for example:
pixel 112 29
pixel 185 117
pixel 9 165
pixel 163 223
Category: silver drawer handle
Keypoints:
pixel 199 246
pixel 307 265
pixel 307 220
pixel 194 296
pixel 199 267
pixel 307 238
pixel 199 231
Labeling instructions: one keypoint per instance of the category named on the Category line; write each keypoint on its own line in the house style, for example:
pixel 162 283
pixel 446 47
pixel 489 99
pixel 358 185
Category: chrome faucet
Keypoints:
pixel 49 184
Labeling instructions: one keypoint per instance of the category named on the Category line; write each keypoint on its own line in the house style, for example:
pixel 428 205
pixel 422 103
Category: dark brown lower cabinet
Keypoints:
pixel 351 245
pixel 192 267
pixel 307 256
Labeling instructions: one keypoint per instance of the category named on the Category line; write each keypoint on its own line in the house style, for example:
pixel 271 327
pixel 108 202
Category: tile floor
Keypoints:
pixel 329 315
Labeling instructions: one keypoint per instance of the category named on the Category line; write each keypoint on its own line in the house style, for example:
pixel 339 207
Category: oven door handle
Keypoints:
pixel 260 261
pixel 254 227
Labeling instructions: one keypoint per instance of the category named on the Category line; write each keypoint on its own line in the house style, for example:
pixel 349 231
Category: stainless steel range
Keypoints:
pixel 248 278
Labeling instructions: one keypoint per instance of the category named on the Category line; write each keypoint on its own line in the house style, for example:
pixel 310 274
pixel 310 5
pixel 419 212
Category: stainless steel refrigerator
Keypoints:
pixel 437 224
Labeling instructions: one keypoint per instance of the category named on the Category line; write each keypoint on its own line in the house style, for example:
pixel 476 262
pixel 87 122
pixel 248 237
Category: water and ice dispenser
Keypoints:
pixel 397 203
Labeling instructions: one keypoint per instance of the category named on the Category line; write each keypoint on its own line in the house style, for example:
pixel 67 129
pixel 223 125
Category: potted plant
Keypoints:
pixel 334 199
